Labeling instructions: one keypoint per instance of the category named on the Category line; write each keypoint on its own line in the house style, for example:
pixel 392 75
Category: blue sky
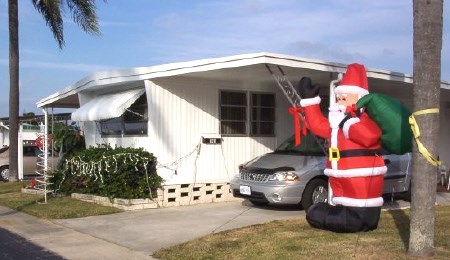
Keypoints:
pixel 138 33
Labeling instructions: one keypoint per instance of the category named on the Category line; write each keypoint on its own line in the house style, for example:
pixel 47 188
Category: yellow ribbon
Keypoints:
pixel 416 132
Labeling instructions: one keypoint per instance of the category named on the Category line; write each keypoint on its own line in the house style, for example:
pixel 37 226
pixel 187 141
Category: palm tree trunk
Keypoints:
pixel 13 88
pixel 427 44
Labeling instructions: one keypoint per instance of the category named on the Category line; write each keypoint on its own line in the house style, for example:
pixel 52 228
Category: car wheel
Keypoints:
pixel 407 194
pixel 4 173
pixel 443 181
pixel 316 191
pixel 259 203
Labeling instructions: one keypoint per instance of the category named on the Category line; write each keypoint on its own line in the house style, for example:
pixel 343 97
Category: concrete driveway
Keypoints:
pixel 150 230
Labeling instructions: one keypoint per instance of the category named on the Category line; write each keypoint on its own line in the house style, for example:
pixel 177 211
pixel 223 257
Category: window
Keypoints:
pixel 310 145
pixel 31 151
pixel 263 115
pixel 131 123
pixel 233 113
pixel 324 105
pixel 239 119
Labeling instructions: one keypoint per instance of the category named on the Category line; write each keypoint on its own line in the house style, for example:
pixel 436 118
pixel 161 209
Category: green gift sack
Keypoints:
pixel 392 117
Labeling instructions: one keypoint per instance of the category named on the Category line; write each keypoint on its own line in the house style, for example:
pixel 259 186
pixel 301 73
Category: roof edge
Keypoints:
pixel 178 68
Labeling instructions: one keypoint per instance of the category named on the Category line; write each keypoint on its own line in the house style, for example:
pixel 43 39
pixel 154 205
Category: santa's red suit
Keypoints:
pixel 355 168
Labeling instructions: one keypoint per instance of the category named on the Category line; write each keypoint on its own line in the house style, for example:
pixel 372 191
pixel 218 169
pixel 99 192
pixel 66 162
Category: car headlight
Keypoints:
pixel 284 177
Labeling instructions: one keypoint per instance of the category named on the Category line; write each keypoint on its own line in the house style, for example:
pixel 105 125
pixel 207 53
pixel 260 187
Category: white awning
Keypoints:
pixel 107 106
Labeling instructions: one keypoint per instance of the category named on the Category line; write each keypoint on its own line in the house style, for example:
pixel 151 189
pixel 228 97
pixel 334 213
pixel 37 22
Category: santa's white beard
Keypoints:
pixel 336 115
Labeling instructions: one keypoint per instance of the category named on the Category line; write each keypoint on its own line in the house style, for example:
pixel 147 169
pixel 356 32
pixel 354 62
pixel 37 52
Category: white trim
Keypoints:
pixel 349 123
pixel 358 172
pixel 113 76
pixel 343 89
pixel 310 101
pixel 375 202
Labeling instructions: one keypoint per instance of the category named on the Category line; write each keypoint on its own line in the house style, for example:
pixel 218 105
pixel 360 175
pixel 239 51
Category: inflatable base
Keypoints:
pixel 343 219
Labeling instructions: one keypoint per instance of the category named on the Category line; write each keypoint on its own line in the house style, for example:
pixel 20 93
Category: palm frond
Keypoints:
pixel 51 12
pixel 83 13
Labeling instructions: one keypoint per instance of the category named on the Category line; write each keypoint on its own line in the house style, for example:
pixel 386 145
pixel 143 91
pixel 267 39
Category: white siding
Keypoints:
pixel 178 116
pixel 180 111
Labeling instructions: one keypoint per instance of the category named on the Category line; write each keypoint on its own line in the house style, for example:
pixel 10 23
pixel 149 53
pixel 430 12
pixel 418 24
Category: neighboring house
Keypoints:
pixel 27 162
pixel 203 118
pixel 28 133
pixel 31 128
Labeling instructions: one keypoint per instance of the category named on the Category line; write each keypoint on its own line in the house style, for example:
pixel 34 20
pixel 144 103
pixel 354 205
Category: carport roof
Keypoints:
pixel 238 67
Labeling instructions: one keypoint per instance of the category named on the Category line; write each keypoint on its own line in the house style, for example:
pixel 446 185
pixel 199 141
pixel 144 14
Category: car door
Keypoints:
pixel 29 160
pixel 398 176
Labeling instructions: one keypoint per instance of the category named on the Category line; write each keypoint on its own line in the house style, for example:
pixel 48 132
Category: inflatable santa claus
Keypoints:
pixel 355 167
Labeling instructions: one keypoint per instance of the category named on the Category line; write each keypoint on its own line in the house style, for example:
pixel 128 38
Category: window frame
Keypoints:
pixel 252 120
pixel 248 122
pixel 122 120
pixel 246 126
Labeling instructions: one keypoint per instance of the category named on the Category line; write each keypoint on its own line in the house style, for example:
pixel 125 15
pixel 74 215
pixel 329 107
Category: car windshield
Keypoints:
pixel 310 145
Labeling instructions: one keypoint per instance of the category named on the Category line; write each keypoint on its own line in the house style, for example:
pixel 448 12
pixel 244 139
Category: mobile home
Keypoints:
pixel 203 118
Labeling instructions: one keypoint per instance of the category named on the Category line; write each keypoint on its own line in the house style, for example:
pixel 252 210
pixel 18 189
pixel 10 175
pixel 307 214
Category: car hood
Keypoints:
pixel 298 163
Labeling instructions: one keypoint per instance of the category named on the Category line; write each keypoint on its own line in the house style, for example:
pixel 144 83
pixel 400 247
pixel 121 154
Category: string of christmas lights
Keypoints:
pixel 79 167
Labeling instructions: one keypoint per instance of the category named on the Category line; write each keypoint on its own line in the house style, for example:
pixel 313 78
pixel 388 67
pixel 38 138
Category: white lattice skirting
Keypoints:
pixel 169 196
pixel 190 194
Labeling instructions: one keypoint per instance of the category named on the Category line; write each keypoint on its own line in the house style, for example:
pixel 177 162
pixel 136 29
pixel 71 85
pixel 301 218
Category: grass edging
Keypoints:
pixel 123 204
pixel 31 202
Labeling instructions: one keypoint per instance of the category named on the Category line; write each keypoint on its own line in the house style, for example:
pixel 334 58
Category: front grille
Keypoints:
pixel 250 176
pixel 255 174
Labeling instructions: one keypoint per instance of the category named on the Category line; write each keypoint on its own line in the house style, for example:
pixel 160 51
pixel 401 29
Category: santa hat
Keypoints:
pixel 354 81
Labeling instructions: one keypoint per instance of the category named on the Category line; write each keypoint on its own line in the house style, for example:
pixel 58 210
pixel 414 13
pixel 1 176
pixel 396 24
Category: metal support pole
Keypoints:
pixel 45 152
pixel 20 152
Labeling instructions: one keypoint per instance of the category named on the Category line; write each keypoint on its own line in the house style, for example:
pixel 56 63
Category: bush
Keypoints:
pixel 127 173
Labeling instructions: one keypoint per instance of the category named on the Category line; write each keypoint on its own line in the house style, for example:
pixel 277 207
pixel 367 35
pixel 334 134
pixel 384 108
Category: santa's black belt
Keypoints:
pixel 334 153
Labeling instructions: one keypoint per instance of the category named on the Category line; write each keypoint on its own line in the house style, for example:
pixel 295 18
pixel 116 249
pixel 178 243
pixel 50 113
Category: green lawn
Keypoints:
pixel 287 239
pixel 55 208
pixel 295 239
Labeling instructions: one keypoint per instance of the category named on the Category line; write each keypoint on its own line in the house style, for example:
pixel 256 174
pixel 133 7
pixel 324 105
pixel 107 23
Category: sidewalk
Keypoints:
pixel 136 235
pixel 61 240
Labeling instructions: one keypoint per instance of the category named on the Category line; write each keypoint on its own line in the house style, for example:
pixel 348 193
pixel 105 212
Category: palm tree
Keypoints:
pixel 427 44
pixel 14 88
pixel 83 13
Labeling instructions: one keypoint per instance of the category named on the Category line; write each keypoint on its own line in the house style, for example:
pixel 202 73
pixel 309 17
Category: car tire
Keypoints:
pixel 407 194
pixel 4 173
pixel 259 203
pixel 315 191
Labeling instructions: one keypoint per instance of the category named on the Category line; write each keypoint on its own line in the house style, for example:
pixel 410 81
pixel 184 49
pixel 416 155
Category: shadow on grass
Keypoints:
pixel 401 220
pixel 29 204
pixel 9 212
pixel 281 207
pixel 18 201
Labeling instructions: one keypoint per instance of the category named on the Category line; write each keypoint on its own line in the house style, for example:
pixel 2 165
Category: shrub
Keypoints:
pixel 127 173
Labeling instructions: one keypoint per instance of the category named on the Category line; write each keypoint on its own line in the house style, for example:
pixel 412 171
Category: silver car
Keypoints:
pixel 294 175
pixel 30 159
